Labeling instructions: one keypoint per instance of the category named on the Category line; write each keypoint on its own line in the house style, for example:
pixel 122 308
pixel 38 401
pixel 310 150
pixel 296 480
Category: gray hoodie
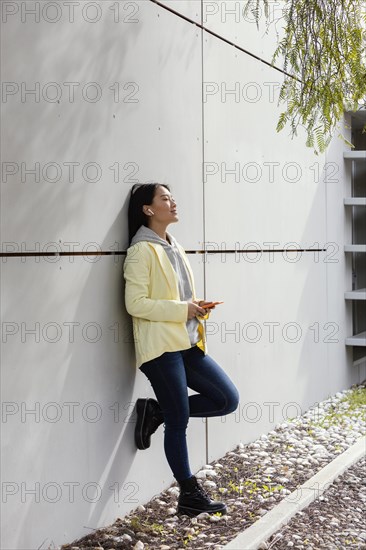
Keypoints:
pixel 146 234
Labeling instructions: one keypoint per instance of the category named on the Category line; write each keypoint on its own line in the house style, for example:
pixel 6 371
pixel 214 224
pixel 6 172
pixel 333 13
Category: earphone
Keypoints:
pixel 151 212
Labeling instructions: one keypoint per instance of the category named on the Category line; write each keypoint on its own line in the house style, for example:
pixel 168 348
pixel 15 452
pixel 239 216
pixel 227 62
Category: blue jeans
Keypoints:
pixel 170 376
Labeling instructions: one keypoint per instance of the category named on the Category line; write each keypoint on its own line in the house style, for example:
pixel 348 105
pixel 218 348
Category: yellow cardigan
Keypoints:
pixel 152 299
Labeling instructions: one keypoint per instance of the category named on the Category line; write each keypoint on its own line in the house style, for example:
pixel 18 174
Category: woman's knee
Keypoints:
pixel 176 421
pixel 232 401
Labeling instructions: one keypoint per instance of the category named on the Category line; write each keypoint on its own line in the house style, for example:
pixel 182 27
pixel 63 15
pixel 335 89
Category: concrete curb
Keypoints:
pixel 267 525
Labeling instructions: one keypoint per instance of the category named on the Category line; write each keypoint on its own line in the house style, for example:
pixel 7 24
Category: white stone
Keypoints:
pixel 160 502
pixel 202 515
pixel 209 484
pixel 141 508
pixel 139 545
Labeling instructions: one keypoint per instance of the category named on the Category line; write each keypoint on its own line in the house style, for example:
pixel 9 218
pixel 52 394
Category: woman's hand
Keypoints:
pixel 194 309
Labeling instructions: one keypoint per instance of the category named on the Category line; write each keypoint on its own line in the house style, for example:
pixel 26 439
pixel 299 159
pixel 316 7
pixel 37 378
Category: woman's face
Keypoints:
pixel 163 206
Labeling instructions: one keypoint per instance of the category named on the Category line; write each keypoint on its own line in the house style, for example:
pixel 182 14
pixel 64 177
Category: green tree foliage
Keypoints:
pixel 324 59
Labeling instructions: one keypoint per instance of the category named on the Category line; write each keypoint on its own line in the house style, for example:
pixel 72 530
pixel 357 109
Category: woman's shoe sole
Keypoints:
pixel 192 512
pixel 141 405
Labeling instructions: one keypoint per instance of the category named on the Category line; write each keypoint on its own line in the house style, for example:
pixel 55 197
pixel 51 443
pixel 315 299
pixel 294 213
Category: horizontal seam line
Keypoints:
pixel 123 252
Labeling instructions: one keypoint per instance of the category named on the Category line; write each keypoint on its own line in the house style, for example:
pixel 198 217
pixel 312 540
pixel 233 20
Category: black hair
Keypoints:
pixel 141 193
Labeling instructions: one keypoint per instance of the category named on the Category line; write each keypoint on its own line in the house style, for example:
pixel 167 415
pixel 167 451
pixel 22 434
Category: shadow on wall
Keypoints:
pixel 111 443
pixel 91 451
pixel 88 452
pixel 101 448
pixel 71 129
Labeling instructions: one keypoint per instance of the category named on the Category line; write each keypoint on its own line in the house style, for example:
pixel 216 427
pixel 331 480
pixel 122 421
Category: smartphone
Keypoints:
pixel 211 304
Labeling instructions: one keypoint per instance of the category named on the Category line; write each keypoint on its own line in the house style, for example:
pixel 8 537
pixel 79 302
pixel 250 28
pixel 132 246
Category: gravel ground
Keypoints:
pixel 335 520
pixel 251 480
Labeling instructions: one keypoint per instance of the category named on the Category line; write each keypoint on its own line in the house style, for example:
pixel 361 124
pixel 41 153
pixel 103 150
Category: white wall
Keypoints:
pixel 172 123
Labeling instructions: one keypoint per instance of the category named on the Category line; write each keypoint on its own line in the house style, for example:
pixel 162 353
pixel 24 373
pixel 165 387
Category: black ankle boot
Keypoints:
pixel 149 418
pixel 193 500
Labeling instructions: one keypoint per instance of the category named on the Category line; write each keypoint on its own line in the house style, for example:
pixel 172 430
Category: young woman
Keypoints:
pixel 170 341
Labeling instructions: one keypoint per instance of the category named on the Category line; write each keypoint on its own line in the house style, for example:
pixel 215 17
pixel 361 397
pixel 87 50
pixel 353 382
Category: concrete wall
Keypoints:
pixel 151 101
